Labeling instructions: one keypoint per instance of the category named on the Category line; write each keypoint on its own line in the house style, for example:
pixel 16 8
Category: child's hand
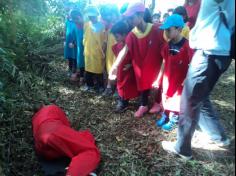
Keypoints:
pixel 71 45
pixel 127 67
pixel 113 73
pixel 156 84
pixel 183 83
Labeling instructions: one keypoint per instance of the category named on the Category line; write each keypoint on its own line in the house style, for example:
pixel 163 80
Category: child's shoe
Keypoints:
pixel 116 95
pixel 141 111
pixel 81 81
pixel 87 89
pixel 162 120
pixel 121 106
pixel 99 90
pixel 172 124
pixel 155 108
pixel 74 77
pixel 108 92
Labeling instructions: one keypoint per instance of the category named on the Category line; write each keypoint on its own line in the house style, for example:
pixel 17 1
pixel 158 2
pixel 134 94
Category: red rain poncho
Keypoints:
pixel 145 52
pixel 54 138
pixel 176 68
pixel 126 82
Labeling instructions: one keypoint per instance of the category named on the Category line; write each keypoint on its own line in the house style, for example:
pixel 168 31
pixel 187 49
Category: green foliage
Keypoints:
pixel 25 27
pixel 31 37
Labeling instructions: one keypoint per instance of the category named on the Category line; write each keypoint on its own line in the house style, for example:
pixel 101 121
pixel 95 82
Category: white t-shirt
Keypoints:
pixel 210 34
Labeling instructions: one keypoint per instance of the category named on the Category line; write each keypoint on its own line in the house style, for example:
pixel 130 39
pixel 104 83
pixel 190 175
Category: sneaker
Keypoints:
pixel 162 120
pixel 170 148
pixel 121 106
pixel 108 92
pixel 172 124
pixel 81 81
pixel 224 143
pixel 87 89
pixel 116 95
pixel 155 108
pixel 141 111
pixel 99 90
pixel 74 77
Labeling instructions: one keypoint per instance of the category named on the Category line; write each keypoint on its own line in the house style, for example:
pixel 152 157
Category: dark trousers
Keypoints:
pixel 196 108
pixel 82 72
pixel 144 97
pixel 72 65
pixel 91 77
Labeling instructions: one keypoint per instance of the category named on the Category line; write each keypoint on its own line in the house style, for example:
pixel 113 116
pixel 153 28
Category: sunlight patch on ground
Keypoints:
pixel 202 141
pixel 229 79
pixel 224 104
pixel 65 90
pixel 97 100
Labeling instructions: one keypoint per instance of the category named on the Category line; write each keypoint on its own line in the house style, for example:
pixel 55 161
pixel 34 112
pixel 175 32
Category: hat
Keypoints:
pixel 92 11
pixel 173 21
pixel 134 8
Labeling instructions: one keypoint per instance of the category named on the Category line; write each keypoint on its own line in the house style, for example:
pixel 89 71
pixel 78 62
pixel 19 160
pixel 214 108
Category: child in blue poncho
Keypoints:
pixel 79 33
pixel 74 44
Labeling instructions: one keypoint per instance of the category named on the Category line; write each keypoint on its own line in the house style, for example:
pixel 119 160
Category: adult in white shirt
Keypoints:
pixel 211 39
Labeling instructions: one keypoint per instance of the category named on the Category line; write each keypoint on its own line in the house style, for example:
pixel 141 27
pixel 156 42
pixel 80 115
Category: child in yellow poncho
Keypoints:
pixel 94 39
pixel 110 14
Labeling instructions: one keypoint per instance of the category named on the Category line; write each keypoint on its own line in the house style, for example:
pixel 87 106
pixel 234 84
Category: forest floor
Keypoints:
pixel 129 146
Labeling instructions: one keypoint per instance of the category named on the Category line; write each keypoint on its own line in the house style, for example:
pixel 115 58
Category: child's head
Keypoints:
pixel 173 26
pixel 135 13
pixel 156 18
pixel 170 11
pixel 92 13
pixel 120 30
pixel 165 16
pixel 68 6
pixel 181 10
pixel 76 16
pixel 109 13
pixel 147 16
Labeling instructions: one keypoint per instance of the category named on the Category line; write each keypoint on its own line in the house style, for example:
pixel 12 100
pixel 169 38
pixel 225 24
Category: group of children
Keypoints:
pixel 137 55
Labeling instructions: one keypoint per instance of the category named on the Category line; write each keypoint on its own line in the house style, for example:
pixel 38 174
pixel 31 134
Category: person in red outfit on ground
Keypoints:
pixel 54 139
pixel 192 7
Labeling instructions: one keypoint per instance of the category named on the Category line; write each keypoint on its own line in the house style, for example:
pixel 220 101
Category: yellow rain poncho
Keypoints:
pixel 94 39
pixel 110 57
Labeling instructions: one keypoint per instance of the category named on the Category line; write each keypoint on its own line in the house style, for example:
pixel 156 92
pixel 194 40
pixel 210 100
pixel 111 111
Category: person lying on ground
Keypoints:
pixel 54 139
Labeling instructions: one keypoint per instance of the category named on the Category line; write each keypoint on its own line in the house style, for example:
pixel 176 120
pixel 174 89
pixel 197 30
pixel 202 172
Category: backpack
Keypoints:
pixel 224 21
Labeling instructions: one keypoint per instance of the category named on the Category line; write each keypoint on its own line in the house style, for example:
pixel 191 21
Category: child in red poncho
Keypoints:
pixel 192 7
pixel 126 82
pixel 176 57
pixel 143 44
pixel 54 139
